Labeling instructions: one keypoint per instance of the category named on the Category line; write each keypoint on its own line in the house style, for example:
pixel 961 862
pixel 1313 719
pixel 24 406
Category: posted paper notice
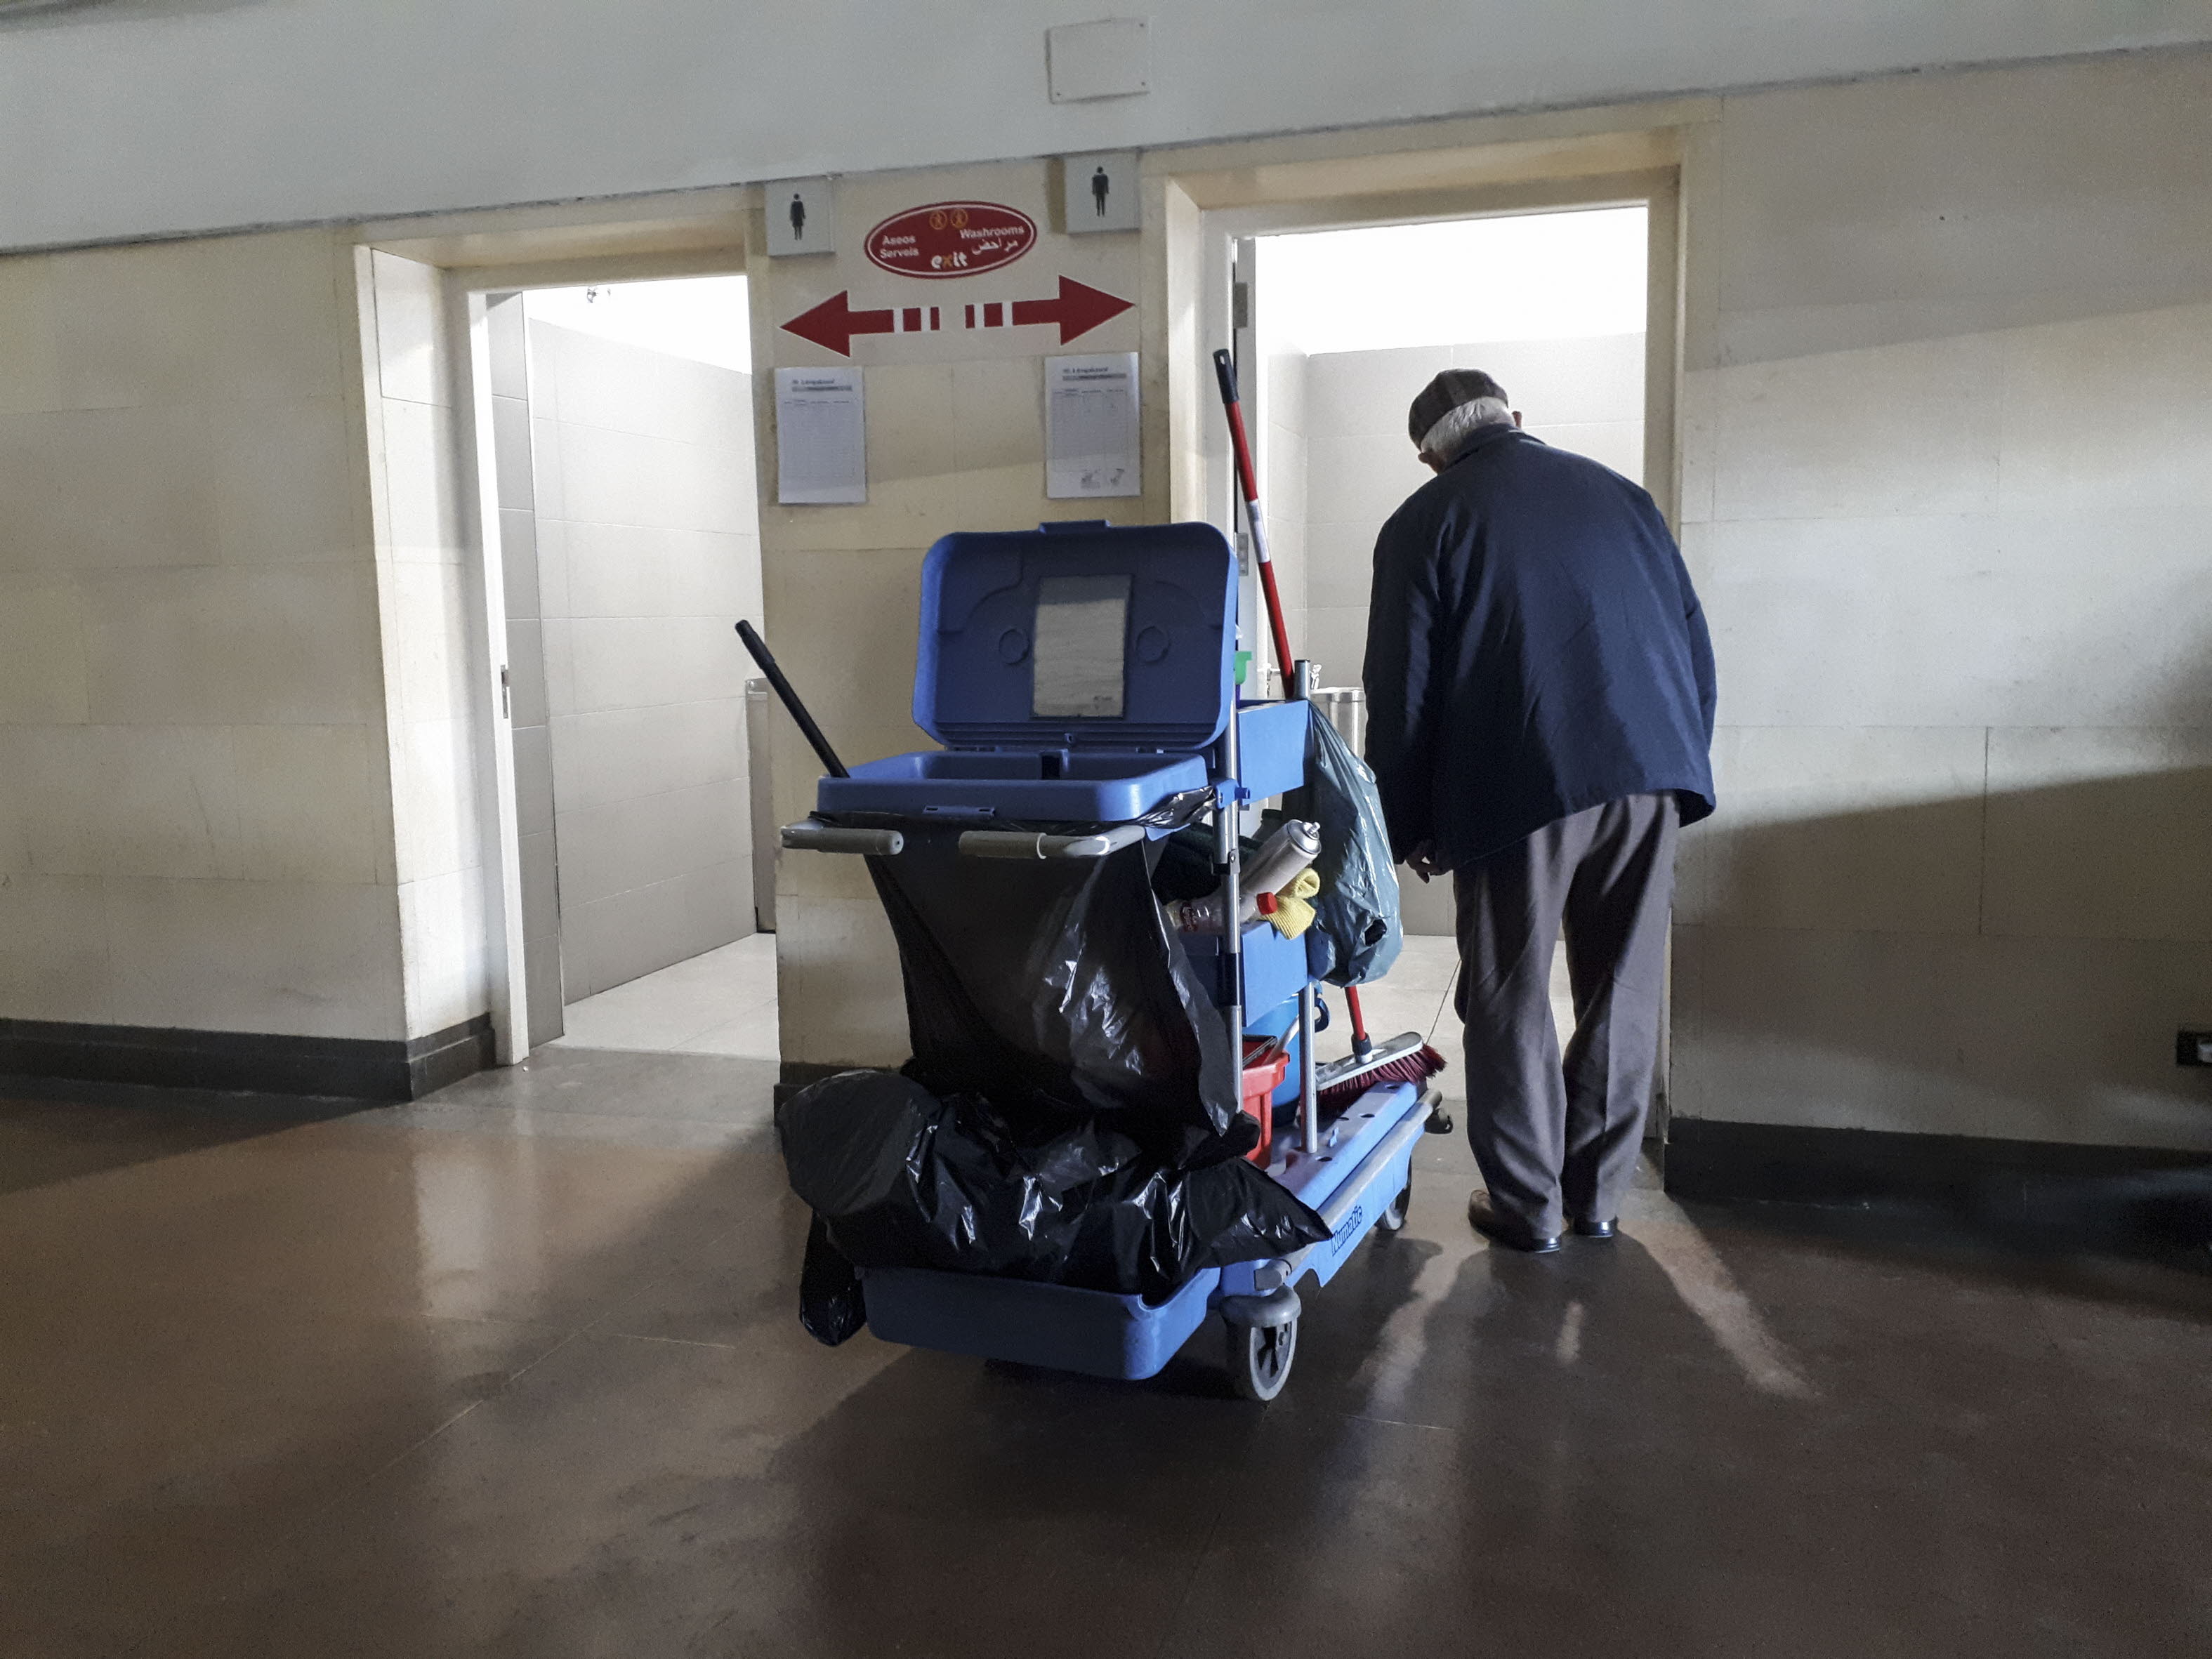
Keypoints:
pixel 1091 426
pixel 821 437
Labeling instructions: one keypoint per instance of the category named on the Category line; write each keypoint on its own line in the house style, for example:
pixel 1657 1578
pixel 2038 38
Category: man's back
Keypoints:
pixel 1534 647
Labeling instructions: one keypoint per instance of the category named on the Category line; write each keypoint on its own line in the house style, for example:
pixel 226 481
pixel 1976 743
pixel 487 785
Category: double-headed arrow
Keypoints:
pixel 1077 310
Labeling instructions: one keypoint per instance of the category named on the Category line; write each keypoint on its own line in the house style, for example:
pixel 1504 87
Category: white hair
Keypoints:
pixel 1448 436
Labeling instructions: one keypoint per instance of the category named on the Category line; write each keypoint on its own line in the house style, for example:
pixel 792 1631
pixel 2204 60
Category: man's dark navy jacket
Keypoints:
pixel 1534 647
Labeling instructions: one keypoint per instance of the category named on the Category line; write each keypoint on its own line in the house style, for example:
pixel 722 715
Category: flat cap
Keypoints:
pixel 1445 394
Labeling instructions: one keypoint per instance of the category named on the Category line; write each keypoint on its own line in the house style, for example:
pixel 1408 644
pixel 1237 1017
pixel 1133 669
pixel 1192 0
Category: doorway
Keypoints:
pixel 622 429
pixel 1339 328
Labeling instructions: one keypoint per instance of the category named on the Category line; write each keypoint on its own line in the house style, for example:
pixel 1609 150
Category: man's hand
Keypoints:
pixel 1422 861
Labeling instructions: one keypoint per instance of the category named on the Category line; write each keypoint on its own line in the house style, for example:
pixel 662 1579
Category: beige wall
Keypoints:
pixel 545 102
pixel 195 807
pixel 647 552
pixel 1946 485
pixel 1945 426
pixel 1944 481
pixel 955 441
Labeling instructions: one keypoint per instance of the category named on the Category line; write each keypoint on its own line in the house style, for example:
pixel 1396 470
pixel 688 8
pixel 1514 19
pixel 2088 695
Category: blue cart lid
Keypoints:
pixel 1077 636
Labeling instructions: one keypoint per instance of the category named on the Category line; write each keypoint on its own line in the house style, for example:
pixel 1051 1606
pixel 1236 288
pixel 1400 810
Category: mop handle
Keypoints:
pixel 1248 486
pixel 760 655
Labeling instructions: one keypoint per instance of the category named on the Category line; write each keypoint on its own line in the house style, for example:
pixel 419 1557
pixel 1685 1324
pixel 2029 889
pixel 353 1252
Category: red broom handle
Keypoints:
pixel 1360 1042
pixel 1248 486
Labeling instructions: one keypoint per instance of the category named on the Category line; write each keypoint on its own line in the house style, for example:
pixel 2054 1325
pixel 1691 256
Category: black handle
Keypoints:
pixel 1225 370
pixel 760 655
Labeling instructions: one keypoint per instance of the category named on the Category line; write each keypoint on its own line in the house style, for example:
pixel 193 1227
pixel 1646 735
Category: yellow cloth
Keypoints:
pixel 1303 885
pixel 1293 915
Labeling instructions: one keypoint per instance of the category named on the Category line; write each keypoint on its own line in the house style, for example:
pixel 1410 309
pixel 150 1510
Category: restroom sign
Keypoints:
pixel 951 239
pixel 1075 310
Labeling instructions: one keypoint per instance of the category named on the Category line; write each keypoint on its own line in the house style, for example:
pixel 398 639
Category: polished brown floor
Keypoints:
pixel 514 1371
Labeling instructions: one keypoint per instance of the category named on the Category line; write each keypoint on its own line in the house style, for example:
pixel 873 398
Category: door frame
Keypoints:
pixel 1204 200
pixel 475 255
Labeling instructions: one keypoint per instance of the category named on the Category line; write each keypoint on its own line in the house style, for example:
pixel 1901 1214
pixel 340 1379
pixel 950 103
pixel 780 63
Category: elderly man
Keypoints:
pixel 1539 688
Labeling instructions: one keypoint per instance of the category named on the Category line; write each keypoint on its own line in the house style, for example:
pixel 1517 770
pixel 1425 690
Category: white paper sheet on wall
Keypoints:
pixel 1091 426
pixel 821 437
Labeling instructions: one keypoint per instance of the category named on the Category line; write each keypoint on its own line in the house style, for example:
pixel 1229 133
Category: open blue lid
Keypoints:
pixel 1077 636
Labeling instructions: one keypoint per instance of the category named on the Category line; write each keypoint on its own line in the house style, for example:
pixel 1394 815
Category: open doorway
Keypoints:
pixel 1341 329
pixel 622 422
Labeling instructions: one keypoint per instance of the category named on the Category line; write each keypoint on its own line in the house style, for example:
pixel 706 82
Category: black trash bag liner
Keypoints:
pixel 1184 868
pixel 830 1307
pixel 900 1178
pixel 1053 989
pixel 1356 912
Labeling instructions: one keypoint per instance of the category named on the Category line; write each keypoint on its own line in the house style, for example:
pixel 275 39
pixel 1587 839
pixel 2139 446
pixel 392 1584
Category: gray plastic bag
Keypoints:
pixel 1357 910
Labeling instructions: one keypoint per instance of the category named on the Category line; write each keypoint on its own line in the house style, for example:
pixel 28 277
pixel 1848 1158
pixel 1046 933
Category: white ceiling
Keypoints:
pixel 155 116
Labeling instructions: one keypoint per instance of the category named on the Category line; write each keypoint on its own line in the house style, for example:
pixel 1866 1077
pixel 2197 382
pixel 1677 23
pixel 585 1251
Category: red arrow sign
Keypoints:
pixel 834 322
pixel 1079 309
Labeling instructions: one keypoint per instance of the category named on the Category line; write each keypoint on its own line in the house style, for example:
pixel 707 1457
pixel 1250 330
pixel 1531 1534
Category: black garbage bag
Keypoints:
pixel 830 1307
pixel 1053 989
pixel 898 1177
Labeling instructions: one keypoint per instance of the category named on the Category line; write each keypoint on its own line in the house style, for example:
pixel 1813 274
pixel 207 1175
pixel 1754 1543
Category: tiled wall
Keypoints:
pixel 646 552
pixel 431 610
pixel 1586 395
pixel 1336 438
pixel 195 821
pixel 1947 475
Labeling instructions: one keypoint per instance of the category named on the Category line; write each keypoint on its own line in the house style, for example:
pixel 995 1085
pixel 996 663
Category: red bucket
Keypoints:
pixel 1262 1080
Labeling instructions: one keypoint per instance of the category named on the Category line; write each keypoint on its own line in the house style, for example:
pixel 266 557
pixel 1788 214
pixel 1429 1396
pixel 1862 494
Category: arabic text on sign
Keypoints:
pixel 951 239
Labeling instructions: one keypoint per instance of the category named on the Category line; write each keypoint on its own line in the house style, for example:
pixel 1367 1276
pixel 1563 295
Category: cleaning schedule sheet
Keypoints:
pixel 821 437
pixel 1091 426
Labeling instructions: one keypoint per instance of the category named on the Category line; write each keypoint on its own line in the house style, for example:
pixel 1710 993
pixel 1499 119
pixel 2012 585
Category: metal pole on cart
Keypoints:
pixel 1229 854
pixel 1304 674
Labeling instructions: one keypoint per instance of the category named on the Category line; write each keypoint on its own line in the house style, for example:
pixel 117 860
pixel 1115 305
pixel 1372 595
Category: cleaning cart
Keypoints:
pixel 1083 681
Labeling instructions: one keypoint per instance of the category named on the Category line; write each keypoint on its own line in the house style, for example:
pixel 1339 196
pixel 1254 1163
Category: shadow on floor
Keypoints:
pixel 58 1129
pixel 515 1372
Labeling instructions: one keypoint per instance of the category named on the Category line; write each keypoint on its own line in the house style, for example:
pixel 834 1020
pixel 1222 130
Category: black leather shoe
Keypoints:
pixel 1592 1228
pixel 1485 1220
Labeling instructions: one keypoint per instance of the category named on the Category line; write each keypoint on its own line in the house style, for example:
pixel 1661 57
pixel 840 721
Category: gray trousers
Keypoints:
pixel 1560 1140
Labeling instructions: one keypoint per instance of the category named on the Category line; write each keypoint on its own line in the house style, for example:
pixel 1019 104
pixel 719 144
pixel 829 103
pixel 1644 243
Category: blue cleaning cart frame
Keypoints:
pixel 1081 676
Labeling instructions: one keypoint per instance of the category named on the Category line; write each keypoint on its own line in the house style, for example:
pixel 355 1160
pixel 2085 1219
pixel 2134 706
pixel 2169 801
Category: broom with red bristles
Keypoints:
pixel 1407 1058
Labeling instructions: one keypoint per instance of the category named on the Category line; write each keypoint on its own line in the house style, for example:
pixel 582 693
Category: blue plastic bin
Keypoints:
pixel 1271 746
pixel 1166 683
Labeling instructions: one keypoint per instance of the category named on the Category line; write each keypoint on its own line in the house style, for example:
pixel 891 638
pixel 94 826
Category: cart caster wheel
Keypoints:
pixel 1394 1219
pixel 1440 1121
pixel 1259 1358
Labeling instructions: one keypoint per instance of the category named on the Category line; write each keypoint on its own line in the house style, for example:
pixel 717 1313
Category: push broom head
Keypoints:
pixel 1404 1059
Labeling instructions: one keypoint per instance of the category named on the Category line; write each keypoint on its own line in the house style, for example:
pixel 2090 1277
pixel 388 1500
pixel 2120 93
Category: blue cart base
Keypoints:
pixel 1093 1332
pixel 1354 1181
